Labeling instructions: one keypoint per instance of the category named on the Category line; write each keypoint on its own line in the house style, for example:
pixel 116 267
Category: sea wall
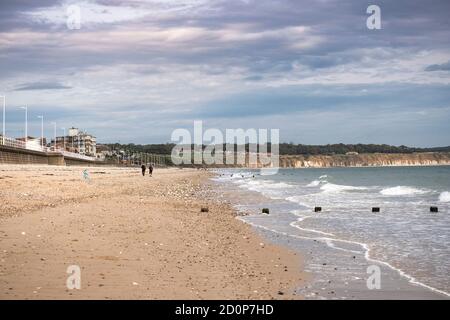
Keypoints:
pixel 10 155
pixel 365 160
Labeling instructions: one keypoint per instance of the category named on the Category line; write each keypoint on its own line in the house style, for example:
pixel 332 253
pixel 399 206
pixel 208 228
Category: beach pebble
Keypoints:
pixel 135 284
pixel 23 233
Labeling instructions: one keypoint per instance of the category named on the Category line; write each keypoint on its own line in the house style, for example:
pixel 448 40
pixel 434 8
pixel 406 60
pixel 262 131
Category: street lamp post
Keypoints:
pixel 4 117
pixel 26 124
pixel 54 134
pixel 64 139
pixel 42 131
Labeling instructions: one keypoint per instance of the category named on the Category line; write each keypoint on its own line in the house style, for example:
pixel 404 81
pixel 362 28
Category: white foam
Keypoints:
pixel 260 185
pixel 295 225
pixel 401 191
pixel 331 187
pixel 314 183
pixel 444 196
pixel 298 200
pixel 269 188
pixel 323 177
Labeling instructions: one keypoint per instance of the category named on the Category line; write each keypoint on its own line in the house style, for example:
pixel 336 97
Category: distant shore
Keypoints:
pixel 133 237
pixel 365 160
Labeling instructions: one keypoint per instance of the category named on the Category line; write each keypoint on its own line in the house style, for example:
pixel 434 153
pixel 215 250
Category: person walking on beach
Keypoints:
pixel 143 167
pixel 150 169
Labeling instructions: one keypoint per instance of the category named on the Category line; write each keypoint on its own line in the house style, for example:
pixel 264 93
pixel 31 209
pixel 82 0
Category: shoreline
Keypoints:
pixel 336 167
pixel 133 237
pixel 366 167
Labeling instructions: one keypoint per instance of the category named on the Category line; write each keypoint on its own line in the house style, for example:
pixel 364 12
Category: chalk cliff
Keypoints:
pixel 365 160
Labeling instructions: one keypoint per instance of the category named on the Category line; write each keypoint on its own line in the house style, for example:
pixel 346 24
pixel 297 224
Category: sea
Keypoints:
pixel 350 252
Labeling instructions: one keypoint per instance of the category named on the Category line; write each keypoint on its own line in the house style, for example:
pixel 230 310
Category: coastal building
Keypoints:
pixel 78 141
pixel 33 143
pixel 103 152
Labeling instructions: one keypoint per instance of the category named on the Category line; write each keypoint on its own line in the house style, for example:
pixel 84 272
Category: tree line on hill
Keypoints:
pixel 290 148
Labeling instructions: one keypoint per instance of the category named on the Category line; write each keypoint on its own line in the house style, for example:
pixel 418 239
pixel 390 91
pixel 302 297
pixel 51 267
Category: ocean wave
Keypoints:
pixel 314 183
pixel 298 200
pixel 269 188
pixel 331 187
pixel 267 184
pixel 401 191
pixel 444 196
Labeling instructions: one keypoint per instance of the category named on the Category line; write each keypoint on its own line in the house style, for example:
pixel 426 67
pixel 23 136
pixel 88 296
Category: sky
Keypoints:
pixel 137 70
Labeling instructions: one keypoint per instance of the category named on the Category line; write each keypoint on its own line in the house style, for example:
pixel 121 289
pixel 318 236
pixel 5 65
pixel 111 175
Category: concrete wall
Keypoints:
pixel 9 155
pixel 78 162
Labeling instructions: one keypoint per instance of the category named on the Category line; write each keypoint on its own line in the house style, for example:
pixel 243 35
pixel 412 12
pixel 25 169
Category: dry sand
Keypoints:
pixel 133 237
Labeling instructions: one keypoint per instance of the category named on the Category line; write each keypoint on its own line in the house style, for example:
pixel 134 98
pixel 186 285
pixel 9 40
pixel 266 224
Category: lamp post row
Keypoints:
pixel 26 125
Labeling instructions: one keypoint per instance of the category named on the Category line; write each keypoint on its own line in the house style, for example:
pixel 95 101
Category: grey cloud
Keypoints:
pixel 41 86
pixel 253 78
pixel 439 67
pixel 409 27
pixel 340 23
pixel 11 13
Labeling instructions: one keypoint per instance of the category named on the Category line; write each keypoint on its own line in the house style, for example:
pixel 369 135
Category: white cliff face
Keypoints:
pixel 365 160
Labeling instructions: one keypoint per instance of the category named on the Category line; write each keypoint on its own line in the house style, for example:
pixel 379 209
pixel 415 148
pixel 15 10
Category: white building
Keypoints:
pixel 78 142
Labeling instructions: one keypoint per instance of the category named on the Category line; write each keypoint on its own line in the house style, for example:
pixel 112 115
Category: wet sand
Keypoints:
pixel 133 237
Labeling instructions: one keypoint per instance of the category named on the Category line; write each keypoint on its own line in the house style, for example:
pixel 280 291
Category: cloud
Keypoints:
pixel 94 13
pixel 42 86
pixel 253 78
pixel 162 63
pixel 292 100
pixel 439 67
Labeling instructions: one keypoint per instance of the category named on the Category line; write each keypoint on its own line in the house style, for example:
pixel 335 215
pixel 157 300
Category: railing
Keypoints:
pixel 34 147
pixel 11 142
pixel 29 145
pixel 14 143
pixel 76 155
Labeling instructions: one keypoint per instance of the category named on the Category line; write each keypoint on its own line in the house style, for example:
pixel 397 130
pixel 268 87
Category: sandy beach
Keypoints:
pixel 133 237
